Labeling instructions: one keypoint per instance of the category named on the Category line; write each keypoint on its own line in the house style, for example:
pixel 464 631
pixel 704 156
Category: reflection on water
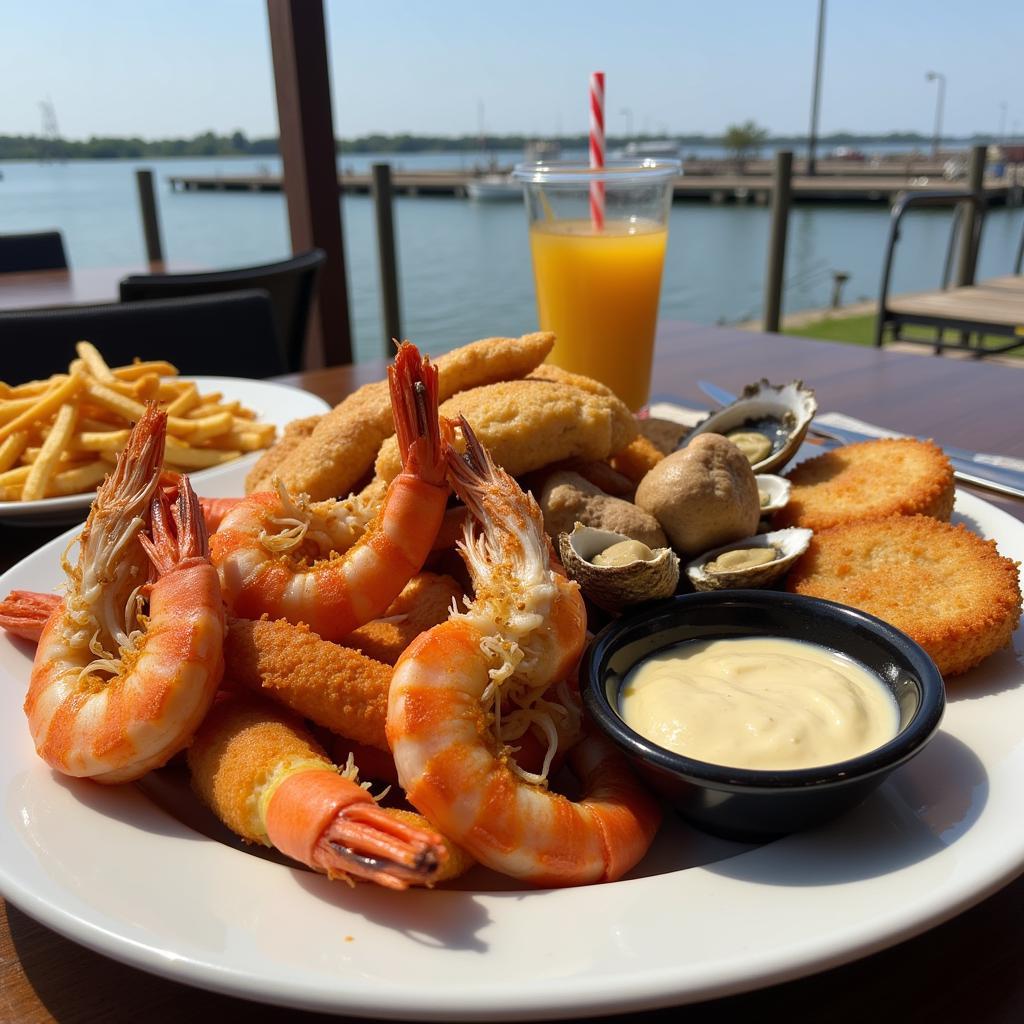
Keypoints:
pixel 464 266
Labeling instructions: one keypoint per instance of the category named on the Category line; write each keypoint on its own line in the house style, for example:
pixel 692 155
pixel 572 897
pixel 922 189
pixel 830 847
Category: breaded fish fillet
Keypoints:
pixel 260 476
pixel 893 476
pixel 526 424
pixel 941 584
pixel 341 448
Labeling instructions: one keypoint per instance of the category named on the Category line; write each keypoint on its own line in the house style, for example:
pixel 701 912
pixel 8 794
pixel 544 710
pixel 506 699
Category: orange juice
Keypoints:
pixel 598 292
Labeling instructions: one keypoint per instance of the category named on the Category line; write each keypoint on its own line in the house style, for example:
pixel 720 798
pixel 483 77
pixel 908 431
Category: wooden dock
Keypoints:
pixel 852 186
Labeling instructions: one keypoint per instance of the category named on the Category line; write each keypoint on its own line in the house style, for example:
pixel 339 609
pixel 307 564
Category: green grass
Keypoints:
pixel 860 330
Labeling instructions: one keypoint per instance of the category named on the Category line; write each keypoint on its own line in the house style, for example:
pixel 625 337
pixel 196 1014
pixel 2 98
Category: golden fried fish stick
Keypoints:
pixel 341 449
pixel 336 687
pixel 261 772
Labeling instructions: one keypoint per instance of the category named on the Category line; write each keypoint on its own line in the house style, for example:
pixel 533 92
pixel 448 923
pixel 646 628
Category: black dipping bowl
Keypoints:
pixel 757 805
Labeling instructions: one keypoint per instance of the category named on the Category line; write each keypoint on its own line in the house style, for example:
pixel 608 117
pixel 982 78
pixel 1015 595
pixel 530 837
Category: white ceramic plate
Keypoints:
pixel 273 403
pixel 700 918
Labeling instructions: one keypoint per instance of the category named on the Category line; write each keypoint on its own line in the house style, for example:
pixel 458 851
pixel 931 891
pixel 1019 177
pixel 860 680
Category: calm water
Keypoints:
pixel 464 266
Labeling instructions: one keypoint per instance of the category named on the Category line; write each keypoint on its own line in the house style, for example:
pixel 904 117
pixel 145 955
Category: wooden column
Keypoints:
pixel 299 47
pixel 774 273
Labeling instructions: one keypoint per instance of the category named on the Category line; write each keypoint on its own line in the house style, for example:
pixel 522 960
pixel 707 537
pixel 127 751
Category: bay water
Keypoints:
pixel 464 266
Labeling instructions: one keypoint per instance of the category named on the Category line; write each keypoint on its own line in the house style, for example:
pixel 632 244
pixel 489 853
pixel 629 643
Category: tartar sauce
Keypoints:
pixel 758 702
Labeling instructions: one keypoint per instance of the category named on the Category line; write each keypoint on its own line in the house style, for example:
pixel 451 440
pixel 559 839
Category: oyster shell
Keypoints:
pixel 776 489
pixel 789 544
pixel 780 413
pixel 615 586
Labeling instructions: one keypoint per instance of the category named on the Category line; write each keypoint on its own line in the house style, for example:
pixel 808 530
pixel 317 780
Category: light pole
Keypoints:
pixel 937 76
pixel 816 94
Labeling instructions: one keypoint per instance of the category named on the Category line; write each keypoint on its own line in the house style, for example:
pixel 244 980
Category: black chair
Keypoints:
pixel 40 250
pixel 220 335
pixel 290 284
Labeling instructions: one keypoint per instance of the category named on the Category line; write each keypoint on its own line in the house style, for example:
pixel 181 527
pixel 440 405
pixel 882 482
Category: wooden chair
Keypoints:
pixel 219 335
pixel 40 250
pixel 291 285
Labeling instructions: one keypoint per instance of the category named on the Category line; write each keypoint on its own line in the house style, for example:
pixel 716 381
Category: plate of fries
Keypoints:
pixel 60 437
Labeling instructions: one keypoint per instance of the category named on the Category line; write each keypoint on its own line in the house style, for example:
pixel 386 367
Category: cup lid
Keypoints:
pixel 574 172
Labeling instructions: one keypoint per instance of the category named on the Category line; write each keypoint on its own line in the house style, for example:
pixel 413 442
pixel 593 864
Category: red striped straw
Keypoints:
pixel 597 148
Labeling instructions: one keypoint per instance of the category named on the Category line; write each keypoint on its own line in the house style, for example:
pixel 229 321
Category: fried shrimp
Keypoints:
pixel 264 776
pixel 945 587
pixel 463 690
pixel 264 545
pixel 336 687
pixel 424 602
pixel 117 687
pixel 892 476
pixel 24 613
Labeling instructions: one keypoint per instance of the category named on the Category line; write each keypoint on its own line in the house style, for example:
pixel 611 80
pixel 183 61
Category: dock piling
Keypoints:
pixel 150 221
pixel 382 208
pixel 970 225
pixel 781 193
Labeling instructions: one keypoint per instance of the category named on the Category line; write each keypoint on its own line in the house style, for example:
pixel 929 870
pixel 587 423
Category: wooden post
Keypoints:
pixel 299 48
pixel 150 223
pixel 777 240
pixel 389 305
pixel 970 223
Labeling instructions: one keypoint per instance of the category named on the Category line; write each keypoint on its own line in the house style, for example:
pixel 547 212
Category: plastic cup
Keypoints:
pixel 598 290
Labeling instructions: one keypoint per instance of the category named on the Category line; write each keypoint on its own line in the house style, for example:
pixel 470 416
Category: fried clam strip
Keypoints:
pixel 340 451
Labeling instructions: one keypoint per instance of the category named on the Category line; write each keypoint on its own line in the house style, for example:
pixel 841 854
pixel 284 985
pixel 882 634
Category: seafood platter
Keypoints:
pixel 341 709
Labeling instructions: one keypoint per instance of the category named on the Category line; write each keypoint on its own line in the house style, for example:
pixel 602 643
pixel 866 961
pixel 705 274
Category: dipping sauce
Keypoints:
pixel 758 702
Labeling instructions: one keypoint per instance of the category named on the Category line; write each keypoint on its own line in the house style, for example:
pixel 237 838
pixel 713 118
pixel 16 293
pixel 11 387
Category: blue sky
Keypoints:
pixel 157 69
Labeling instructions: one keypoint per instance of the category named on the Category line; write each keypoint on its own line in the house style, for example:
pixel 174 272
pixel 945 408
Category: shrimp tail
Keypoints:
pixel 333 825
pixel 24 613
pixel 179 532
pixel 215 509
pixel 414 398
pixel 262 773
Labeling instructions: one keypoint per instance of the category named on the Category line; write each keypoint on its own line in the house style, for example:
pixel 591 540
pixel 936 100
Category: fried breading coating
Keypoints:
pixel 336 687
pixel 526 424
pixel 341 449
pixel 260 477
pixel 239 738
pixel 941 584
pixel 425 602
pixel 637 459
pixel 892 476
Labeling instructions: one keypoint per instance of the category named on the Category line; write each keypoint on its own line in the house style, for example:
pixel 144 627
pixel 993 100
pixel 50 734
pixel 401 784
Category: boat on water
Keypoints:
pixel 652 148
pixel 490 188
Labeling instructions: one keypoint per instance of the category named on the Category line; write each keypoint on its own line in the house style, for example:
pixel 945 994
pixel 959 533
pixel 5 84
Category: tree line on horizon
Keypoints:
pixel 34 147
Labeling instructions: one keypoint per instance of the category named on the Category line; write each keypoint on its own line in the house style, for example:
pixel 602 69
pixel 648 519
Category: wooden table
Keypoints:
pixel 40 288
pixel 967 968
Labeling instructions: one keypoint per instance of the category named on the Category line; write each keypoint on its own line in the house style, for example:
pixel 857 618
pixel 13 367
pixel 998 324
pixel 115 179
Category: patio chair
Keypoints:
pixel 39 250
pixel 218 335
pixel 291 285
pixel 994 307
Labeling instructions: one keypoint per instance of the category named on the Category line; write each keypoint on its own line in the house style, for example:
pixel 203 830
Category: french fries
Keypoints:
pixel 61 436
